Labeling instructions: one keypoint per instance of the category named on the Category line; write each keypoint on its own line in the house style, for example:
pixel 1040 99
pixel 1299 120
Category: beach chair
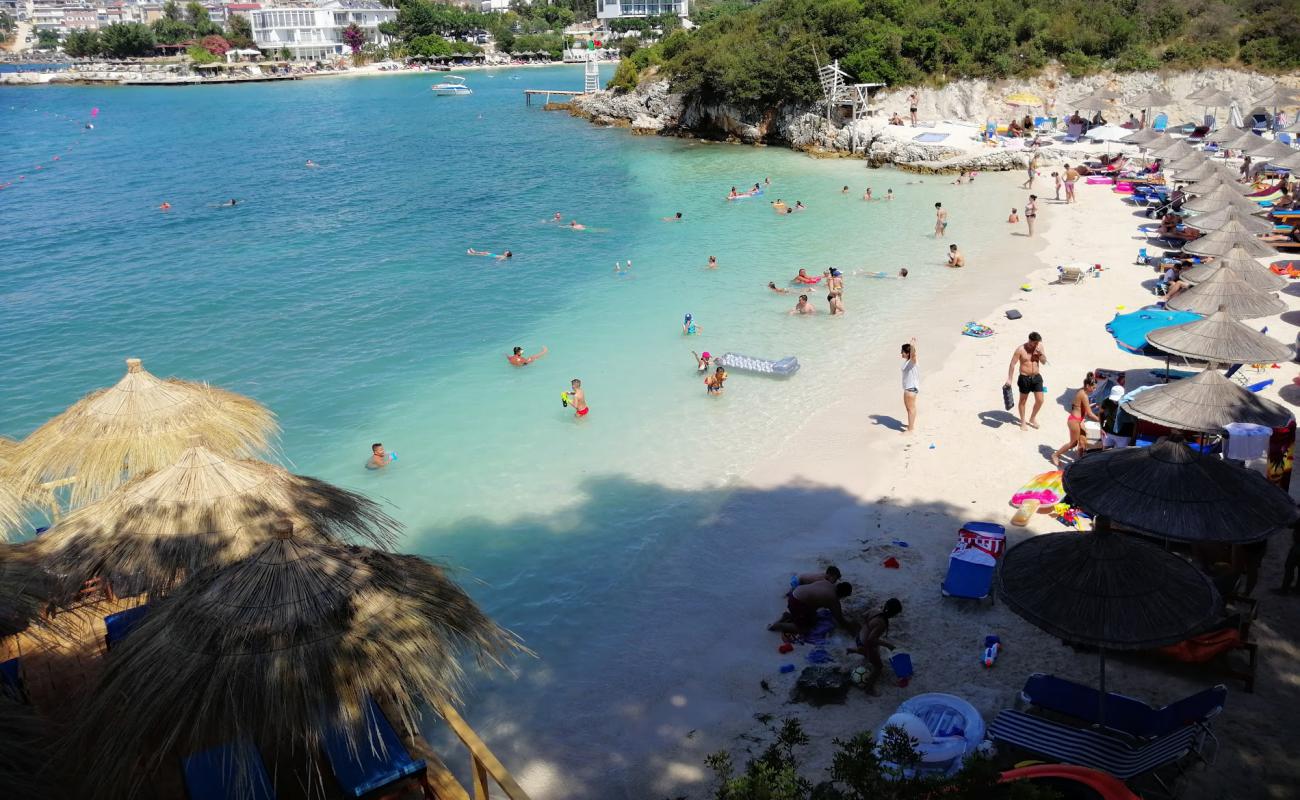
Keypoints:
pixel 117 626
pixel 1073 132
pixel 1286 139
pixel 1219 645
pixel 227 772
pixel 1161 122
pixel 1071 275
pixel 1117 755
pixel 11 682
pixel 1123 714
pixel 973 561
pixel 379 764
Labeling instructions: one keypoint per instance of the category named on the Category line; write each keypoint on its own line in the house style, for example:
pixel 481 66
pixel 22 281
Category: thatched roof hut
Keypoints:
pixel 1224 290
pixel 1220 339
pixel 1219 197
pixel 1227 237
pixel 1241 265
pixel 1205 403
pixel 205 510
pixel 26 772
pixel 141 424
pixel 278 649
pixel 1239 217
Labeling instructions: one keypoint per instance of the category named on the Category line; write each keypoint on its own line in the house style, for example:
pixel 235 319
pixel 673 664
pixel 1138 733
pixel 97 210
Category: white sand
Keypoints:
pixel 907 490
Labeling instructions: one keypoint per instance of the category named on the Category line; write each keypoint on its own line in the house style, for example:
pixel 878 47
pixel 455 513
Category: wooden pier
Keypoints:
pixel 530 93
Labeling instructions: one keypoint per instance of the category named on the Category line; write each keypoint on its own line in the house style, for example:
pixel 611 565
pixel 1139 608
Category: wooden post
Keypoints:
pixel 479 775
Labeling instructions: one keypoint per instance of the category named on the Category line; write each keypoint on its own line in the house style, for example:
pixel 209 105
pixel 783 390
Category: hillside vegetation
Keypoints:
pixel 758 55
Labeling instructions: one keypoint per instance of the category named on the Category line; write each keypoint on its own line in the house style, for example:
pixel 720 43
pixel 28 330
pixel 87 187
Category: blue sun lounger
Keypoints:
pixel 117 626
pixel 379 761
pixel 1123 713
pixel 214 774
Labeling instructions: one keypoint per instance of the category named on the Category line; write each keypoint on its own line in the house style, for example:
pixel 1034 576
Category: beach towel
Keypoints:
pixel 821 630
pixel 930 137
pixel 977 330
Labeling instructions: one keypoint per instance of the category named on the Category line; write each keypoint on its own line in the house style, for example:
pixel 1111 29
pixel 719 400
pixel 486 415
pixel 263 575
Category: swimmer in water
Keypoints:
pixel 713 262
pixel 889 194
pixel 701 360
pixel 689 328
pixel 576 226
pixel 902 273
pixel 674 218
pixel 766 182
pixel 734 194
pixel 518 359
pixel 378 457
pixel 558 217
pixel 799 206
pixel 836 300
pixel 232 202
pixel 166 206
pixel 867 194
pixel 578 399
pixel 713 383
pixel 845 190
pixel 804 277
pixel 502 257
pixel 311 164
pixel 772 285
pixel 803 306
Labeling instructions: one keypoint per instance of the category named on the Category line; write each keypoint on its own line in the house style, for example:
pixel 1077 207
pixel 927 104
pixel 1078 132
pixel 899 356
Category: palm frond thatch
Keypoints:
pixel 280 648
pixel 24 589
pixel 205 510
pixel 1169 490
pixel 1225 290
pixel 1229 236
pixel 1106 590
pixel 1220 339
pixel 141 424
pixel 15 492
pixel 1269 150
pixel 1238 217
pixel 1221 197
pixel 1205 403
pixel 1152 98
pixel 26 739
pixel 1241 265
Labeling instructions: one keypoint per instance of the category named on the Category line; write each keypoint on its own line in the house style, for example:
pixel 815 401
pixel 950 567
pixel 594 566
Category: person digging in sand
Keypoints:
pixel 803 602
pixel 871 637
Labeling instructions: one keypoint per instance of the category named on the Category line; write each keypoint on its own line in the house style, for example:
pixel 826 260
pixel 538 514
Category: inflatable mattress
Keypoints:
pixel 784 367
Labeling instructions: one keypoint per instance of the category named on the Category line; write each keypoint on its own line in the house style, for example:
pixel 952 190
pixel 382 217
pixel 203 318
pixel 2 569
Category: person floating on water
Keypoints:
pixel 518 359
pixel 772 285
pixel 577 226
pixel 577 398
pixel 311 164
pixel 674 218
pixel 845 190
pixel 230 204
pixel 713 383
pixel 502 257
pixel 166 206
pixel 955 258
pixel 689 328
pixel 867 194
pixel 734 194
pixel 558 217
pixel 778 205
pixel 805 278
pixel 889 194
pixel 803 306
pixel 378 457
pixel 799 206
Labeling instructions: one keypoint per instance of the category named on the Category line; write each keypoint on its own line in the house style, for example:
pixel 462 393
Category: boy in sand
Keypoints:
pixel 1029 358
pixel 871 637
pixel 940 220
pixel 578 399
pixel 955 258
pixel 803 602
pixel 1013 217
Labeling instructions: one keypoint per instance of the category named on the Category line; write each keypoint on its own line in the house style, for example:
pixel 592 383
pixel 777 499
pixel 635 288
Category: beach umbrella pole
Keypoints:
pixel 1101 702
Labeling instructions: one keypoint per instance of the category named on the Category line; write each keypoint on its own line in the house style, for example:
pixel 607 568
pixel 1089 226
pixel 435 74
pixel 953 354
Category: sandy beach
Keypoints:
pixel 963 463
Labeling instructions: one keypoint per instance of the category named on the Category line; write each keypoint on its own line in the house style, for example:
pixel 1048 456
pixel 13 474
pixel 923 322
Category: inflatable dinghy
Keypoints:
pixel 785 367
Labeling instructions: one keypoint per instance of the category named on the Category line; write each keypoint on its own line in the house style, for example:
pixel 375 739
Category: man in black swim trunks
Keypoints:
pixel 1029 358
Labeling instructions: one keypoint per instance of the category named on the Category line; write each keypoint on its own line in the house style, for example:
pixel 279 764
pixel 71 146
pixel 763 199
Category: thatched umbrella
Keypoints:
pixel 1093 103
pixel 1219 197
pixel 1291 162
pixel 1205 403
pixel 15 492
pixel 1224 290
pixel 281 648
pixel 24 589
pixel 1207 172
pixel 1106 590
pixel 1230 216
pixel 1174 151
pixel 1204 91
pixel 1225 177
pixel 1220 339
pixel 141 424
pixel 1227 134
pixel 1279 96
pixel 205 510
pixel 1142 137
pixel 1170 491
pixel 1241 265
pixel 1232 235
pixel 1149 99
pixel 26 740
pixel 1196 158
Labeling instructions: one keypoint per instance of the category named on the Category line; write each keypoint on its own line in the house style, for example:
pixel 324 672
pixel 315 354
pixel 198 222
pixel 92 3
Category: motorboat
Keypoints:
pixel 453 85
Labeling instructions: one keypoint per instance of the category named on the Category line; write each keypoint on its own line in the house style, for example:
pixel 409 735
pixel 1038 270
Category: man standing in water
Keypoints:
pixel 378 457
pixel 1029 358
pixel 578 399
pixel 940 220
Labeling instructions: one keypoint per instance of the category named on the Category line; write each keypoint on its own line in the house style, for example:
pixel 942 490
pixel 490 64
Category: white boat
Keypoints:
pixel 453 85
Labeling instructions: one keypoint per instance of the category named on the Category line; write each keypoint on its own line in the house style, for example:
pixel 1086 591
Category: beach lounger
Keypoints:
pixel 379 762
pixel 11 682
pixel 1071 275
pixel 1161 122
pixel 117 626
pixel 1086 747
pixel 1123 714
pixel 215 774
pixel 1072 133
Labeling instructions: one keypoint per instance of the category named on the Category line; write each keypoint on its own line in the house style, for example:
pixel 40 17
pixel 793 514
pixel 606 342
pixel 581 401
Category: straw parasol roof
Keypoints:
pixel 1219 339
pixel 1205 403
pixel 142 423
pixel 24 587
pixel 1241 266
pixel 1206 172
pixel 1174 150
pixel 1270 149
pixel 1144 136
pixel 1232 234
pixel 15 496
pixel 1226 134
pixel 1149 99
pixel 25 769
pixel 1230 215
pixel 1224 290
pixel 1226 177
pixel 281 647
pixel 1168 490
pixel 1221 197
pixel 1106 590
pixel 1092 103
pixel 205 510
pixel 1216 99
pixel 1204 91
pixel 1196 158
pixel 1291 162
pixel 1279 96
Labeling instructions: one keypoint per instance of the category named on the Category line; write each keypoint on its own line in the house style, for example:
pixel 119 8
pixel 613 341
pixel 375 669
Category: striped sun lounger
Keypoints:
pixel 1089 748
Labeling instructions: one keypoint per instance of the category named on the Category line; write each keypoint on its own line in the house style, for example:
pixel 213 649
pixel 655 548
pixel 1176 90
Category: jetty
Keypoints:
pixel 529 94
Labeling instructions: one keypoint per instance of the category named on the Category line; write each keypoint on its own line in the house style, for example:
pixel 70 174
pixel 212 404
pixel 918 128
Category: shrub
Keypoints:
pixel 200 55
pixel 216 45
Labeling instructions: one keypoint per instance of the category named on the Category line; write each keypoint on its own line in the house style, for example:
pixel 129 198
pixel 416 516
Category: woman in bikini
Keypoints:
pixel 1080 409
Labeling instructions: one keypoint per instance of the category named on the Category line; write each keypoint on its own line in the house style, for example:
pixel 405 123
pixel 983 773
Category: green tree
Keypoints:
pixel 239 31
pixel 126 39
pixel 81 44
pixel 172 27
pixel 197 16
pixel 47 40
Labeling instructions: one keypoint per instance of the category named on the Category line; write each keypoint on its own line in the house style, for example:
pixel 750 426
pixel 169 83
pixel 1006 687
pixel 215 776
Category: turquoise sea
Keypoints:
pixel 343 299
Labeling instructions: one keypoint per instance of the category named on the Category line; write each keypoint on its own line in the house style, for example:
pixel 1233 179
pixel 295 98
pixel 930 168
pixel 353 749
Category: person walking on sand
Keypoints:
pixel 1071 176
pixel 913 102
pixel 1080 409
pixel 871 637
pixel 1033 172
pixel 955 258
pixel 1031 212
pixel 1029 359
pixel 940 220
pixel 911 383
pixel 577 398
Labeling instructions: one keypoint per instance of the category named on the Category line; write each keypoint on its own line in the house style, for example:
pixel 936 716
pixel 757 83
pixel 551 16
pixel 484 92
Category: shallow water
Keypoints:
pixel 343 299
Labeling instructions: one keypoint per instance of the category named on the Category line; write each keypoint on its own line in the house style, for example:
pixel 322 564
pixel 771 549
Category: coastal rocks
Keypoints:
pixel 821 684
pixel 650 109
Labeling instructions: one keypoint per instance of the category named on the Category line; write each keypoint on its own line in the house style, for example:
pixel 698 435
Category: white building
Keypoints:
pixel 497 6
pixel 621 9
pixel 316 32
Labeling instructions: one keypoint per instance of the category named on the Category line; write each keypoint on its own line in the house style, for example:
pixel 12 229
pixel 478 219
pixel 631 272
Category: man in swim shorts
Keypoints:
pixel 378 457
pixel 913 101
pixel 803 306
pixel 1071 177
pixel 831 573
pixel 518 359
pixel 578 399
pixel 955 258
pixel 1029 359
pixel 940 220
pixel 803 602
